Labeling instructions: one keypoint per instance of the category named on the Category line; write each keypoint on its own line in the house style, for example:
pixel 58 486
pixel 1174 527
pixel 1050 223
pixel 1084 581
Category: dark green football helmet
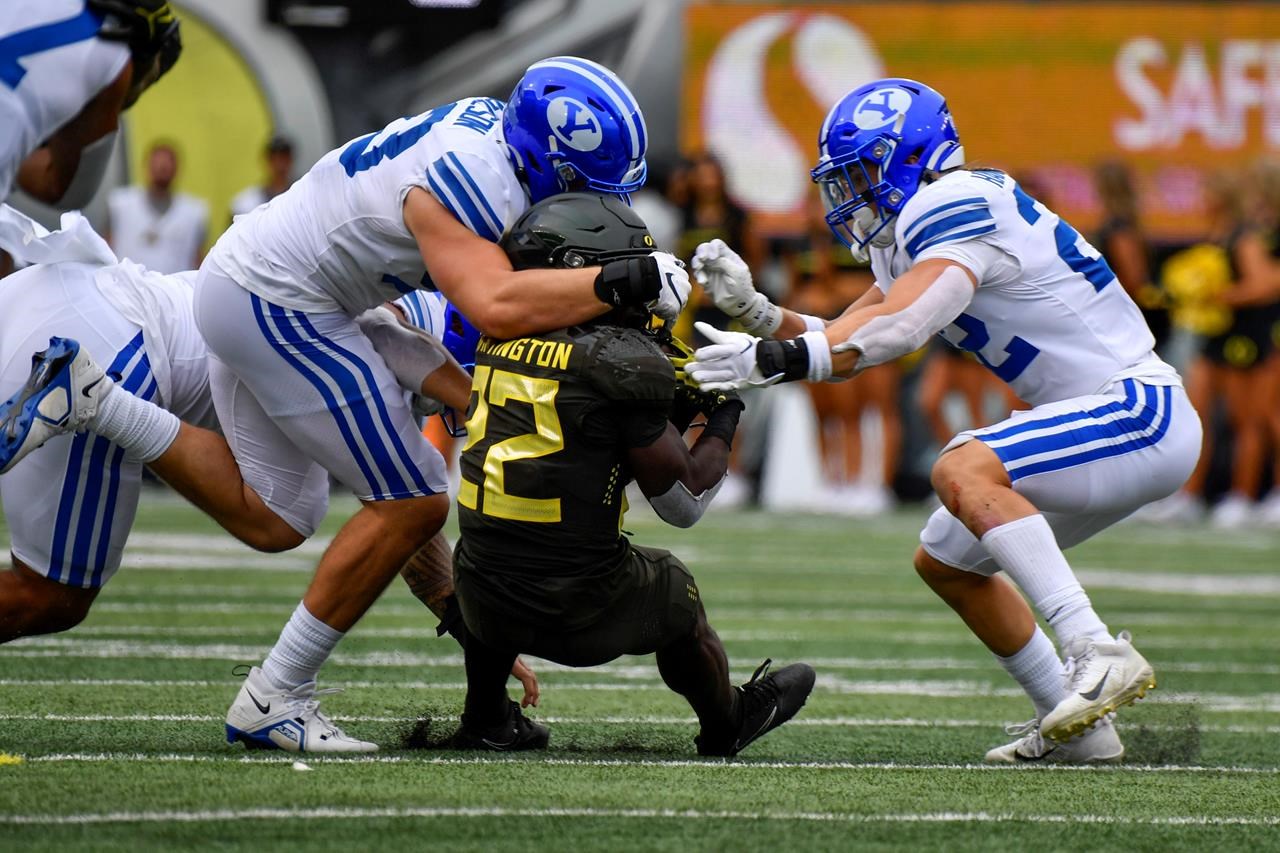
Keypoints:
pixel 574 230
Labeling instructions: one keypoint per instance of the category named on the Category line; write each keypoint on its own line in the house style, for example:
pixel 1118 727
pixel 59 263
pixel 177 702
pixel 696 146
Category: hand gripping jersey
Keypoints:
pixel 337 240
pixel 51 64
pixel 545 464
pixel 1048 316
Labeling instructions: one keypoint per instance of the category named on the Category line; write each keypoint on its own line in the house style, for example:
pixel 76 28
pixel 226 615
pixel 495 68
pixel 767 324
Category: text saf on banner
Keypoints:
pixel 1047 88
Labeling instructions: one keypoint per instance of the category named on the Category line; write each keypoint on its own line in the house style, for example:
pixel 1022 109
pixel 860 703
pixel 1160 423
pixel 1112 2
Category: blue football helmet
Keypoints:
pixel 571 125
pixel 460 338
pixel 874 148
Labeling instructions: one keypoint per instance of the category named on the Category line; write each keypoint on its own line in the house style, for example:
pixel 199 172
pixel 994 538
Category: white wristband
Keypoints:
pixel 762 318
pixel 812 323
pixel 819 355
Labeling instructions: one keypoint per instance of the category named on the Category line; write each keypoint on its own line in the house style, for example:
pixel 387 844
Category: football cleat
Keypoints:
pixel 764 703
pixel 61 395
pixel 266 717
pixel 1097 746
pixel 1101 677
pixel 514 734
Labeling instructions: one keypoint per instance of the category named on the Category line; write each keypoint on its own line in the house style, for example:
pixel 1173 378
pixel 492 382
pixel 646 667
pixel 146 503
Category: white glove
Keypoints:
pixel 675 287
pixel 727 279
pixel 728 362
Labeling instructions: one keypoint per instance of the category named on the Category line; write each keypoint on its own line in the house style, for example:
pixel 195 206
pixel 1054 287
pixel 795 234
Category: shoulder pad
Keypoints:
pixel 627 365
pixel 956 207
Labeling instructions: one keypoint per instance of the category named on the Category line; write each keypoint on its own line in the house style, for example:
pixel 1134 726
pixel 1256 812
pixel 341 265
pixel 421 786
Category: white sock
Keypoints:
pixel 1029 554
pixel 1037 668
pixel 303 647
pixel 142 428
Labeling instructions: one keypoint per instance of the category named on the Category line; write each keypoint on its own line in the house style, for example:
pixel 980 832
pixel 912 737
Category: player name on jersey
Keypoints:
pixel 552 354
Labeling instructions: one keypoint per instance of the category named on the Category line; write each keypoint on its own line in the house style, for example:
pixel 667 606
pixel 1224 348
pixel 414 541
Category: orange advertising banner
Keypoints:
pixel 1041 89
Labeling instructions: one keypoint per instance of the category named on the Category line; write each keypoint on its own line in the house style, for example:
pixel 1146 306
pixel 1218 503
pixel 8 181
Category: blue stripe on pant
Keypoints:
pixel 82 535
pixel 1073 447
pixel 1022 427
pixel 274 331
pixel 393 434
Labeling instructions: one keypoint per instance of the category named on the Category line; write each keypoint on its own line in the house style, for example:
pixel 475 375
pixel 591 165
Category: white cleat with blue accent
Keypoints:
pixel 61 395
pixel 1099 745
pixel 266 717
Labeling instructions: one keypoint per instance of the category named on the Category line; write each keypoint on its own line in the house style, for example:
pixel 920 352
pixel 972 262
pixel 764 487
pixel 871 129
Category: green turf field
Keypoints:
pixel 118 724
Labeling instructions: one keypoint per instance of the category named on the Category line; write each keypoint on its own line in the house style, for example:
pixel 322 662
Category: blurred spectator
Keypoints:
pixel 709 213
pixel 826 280
pixel 1232 366
pixel 1124 246
pixel 279 160
pixel 155 226
pixel 1265 184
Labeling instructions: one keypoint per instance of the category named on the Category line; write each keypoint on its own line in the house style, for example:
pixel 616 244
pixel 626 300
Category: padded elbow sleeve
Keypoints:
pixel 679 507
pixel 895 335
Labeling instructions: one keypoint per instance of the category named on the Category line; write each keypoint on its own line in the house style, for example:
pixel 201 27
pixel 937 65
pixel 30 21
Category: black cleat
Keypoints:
pixel 514 734
pixel 765 702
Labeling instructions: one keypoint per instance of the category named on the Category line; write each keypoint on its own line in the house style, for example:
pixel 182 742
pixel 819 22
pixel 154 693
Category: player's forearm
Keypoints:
pixel 449 384
pixel 793 324
pixel 527 302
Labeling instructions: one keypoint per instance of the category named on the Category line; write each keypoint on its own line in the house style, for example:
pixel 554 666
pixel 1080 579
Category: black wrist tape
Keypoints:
pixel 628 282
pixel 723 422
pixel 790 358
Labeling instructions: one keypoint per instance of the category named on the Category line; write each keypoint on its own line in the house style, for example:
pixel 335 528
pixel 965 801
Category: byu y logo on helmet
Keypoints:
pixel 574 125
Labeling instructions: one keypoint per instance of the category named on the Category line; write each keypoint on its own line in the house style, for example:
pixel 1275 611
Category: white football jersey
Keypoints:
pixel 52 63
pixel 1049 317
pixel 337 240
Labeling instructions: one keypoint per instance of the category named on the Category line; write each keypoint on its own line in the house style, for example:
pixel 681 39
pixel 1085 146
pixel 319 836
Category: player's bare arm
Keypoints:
pixel 49 172
pixel 680 481
pixel 502 302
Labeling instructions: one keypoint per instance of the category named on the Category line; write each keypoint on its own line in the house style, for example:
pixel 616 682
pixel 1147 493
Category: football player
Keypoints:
pixel 966 253
pixel 301 394
pixel 559 426
pixel 67 70
pixel 70 506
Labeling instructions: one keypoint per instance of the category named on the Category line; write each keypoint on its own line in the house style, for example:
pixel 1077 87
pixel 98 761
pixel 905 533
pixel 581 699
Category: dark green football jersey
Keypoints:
pixel 545 464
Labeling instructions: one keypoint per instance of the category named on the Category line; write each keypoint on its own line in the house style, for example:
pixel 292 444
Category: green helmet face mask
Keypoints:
pixel 151 31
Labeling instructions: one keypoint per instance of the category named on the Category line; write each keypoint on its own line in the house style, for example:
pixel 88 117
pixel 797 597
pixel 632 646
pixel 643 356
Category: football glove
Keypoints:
pixel 728 362
pixel 674 291
pixel 727 280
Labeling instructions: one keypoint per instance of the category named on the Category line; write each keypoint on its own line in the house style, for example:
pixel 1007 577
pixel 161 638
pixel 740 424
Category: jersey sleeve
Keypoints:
pixel 638 381
pixel 477 193
pixel 425 310
pixel 949 211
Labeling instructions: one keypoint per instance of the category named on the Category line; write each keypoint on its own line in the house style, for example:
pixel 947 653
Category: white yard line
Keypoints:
pixel 347 813
pixel 269 632
pixel 285 759
pixel 643 720
pixel 86 643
